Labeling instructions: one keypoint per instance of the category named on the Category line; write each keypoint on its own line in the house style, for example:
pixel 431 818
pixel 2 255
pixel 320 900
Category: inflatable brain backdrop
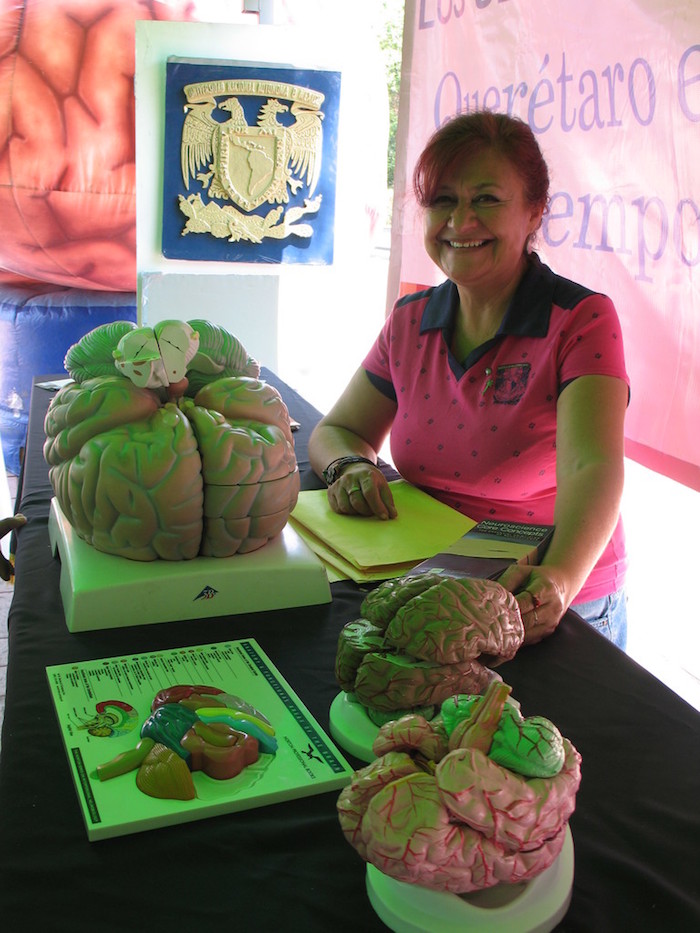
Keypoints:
pixel 67 157
pixel 168 446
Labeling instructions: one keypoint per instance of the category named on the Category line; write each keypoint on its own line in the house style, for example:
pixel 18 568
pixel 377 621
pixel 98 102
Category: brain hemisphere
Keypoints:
pixel 357 638
pixel 240 452
pixel 137 489
pixel 507 806
pixel 78 413
pixel 412 733
pixel 394 681
pixel 148 480
pixel 246 398
pixel 422 638
pixel 408 834
pixel 458 619
pixel 382 604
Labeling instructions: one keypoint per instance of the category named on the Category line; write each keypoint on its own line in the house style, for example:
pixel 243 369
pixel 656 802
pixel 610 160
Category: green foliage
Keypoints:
pixel 390 41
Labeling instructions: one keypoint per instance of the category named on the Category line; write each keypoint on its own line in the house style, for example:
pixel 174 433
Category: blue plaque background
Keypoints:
pixel 318 248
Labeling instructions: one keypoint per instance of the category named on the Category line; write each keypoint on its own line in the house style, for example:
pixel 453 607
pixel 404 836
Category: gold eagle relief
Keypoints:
pixel 250 165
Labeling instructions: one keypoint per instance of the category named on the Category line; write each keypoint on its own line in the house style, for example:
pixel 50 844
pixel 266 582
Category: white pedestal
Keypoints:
pixel 535 906
pixel 103 591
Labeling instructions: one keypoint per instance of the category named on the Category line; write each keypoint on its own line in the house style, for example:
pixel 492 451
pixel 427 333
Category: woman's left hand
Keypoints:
pixel 541 597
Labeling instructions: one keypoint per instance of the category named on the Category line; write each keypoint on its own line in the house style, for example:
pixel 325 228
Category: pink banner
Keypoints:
pixel 611 88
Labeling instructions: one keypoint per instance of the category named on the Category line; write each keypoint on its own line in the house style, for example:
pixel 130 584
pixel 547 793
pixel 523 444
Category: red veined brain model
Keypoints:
pixel 480 796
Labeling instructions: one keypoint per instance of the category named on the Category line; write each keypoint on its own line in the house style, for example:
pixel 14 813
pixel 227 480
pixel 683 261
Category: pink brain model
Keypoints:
pixel 437 809
pixel 67 159
pixel 168 446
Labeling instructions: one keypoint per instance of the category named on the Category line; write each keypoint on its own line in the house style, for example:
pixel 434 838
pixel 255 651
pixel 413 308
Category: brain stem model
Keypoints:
pixel 167 444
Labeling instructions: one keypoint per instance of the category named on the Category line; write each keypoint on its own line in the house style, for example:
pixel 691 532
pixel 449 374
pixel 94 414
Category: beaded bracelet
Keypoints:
pixel 335 468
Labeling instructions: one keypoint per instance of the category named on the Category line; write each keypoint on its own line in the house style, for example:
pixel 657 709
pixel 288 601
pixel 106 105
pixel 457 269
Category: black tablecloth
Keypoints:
pixel 286 867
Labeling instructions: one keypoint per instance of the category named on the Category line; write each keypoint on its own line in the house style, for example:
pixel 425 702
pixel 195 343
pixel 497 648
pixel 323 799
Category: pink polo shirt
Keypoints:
pixel 480 434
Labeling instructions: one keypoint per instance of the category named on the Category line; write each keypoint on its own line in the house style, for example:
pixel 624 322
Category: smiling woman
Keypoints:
pixel 475 226
pixel 483 188
pixel 503 390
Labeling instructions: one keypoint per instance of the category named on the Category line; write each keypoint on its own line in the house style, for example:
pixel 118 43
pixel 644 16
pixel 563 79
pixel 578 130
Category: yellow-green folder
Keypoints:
pixel 365 549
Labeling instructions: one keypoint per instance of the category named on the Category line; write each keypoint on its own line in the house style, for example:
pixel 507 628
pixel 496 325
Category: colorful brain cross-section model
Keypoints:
pixel 193 727
pixel 167 444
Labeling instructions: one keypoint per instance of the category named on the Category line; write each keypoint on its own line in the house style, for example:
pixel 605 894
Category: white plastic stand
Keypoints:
pixel 535 906
pixel 104 591
pixel 352 728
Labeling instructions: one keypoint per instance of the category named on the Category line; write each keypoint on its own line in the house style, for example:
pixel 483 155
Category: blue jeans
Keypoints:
pixel 608 615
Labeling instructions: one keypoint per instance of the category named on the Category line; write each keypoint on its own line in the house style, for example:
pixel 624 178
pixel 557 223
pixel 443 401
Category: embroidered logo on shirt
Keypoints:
pixel 511 382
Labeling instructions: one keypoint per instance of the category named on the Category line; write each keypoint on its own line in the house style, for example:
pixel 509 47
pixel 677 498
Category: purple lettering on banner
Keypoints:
pixel 684 82
pixel 679 231
pixel 643 251
pixel 562 81
pixel 650 91
pixel 442 11
pixel 610 76
pixel 444 17
pixel 535 104
pixel 491 94
pixel 588 203
pixel 591 99
pixel 511 92
pixel 552 215
pixel 438 111
pixel 586 101
pixel 561 220
pixel 424 23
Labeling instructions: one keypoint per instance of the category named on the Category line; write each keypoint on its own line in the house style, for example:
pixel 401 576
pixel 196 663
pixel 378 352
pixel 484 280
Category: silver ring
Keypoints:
pixel 354 489
pixel 534 612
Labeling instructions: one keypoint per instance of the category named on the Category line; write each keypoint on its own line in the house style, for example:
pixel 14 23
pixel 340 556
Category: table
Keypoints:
pixel 286 867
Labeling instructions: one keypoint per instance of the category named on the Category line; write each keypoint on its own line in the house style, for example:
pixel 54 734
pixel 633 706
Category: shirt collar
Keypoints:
pixel 527 314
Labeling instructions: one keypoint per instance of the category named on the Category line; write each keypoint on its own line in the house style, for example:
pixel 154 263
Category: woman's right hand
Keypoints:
pixel 362 490
pixel 539 591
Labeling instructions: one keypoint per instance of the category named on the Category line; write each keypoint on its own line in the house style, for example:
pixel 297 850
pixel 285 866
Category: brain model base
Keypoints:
pixel 167 444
